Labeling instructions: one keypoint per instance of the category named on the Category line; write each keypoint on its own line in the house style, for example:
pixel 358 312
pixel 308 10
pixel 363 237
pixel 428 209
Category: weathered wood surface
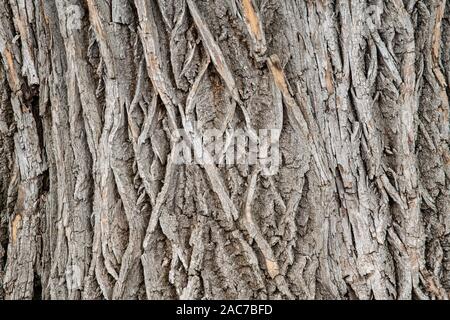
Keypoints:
pixel 94 95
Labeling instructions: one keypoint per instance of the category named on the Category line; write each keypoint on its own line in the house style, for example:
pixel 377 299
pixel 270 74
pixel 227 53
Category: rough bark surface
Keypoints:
pixel 94 206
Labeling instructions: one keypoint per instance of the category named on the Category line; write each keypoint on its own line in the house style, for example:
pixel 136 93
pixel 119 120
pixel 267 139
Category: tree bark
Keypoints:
pixel 347 102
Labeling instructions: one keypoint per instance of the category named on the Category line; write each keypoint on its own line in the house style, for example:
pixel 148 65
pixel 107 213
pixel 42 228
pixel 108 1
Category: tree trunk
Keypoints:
pixel 224 149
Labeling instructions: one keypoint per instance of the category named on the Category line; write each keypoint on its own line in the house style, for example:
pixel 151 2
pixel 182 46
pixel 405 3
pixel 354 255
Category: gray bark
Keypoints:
pixel 94 205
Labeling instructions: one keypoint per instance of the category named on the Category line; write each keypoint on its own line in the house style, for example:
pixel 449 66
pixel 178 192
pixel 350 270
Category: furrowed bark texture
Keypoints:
pixel 93 204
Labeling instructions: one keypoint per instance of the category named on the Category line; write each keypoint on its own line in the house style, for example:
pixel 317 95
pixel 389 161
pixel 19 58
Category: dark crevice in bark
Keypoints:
pixel 37 289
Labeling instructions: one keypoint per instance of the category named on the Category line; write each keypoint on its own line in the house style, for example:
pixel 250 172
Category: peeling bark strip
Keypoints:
pixel 95 96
